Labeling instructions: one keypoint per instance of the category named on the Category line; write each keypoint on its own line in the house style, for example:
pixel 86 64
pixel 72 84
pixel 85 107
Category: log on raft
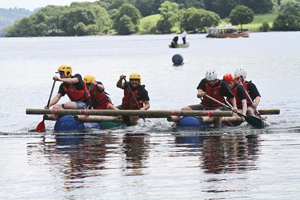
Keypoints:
pixel 210 119
pixel 145 113
pixel 91 118
pixel 269 112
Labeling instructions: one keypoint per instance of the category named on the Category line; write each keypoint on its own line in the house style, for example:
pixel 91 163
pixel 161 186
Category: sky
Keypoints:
pixel 33 4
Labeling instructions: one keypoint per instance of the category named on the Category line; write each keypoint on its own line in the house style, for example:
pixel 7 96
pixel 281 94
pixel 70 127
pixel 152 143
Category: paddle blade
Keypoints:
pixel 255 122
pixel 40 127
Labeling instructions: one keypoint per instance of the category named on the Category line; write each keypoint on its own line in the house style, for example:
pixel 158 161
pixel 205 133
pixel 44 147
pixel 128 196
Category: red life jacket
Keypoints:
pixel 214 92
pixel 77 95
pixel 98 98
pixel 237 98
pixel 247 91
pixel 128 102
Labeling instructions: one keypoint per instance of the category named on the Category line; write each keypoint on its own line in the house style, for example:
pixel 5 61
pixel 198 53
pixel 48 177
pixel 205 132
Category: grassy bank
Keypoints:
pixel 254 26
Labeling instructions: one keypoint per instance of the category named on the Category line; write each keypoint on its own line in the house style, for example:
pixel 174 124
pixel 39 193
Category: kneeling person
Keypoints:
pixel 74 87
pixel 139 92
pixel 238 91
pixel 215 88
pixel 99 97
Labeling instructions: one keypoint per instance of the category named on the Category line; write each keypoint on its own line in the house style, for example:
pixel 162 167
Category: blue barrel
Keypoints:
pixel 177 59
pixel 67 122
pixel 192 122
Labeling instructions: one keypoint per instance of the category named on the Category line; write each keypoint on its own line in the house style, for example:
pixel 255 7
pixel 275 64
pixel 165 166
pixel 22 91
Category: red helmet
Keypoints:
pixel 228 78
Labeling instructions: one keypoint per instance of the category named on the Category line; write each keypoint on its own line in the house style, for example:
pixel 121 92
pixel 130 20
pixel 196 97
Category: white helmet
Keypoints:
pixel 241 72
pixel 211 75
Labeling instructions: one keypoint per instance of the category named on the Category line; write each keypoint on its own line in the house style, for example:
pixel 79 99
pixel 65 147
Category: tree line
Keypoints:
pixel 123 16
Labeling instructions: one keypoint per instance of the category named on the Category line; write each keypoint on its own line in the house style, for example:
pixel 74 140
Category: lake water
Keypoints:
pixel 150 160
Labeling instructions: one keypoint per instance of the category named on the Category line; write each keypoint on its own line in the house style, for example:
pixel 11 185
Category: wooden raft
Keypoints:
pixel 146 113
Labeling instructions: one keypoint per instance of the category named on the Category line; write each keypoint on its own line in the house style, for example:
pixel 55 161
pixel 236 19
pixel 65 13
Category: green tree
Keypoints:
pixel 265 27
pixel 125 26
pixel 72 17
pixel 113 14
pixel 80 29
pixel 241 15
pixel 169 16
pixel 287 3
pixel 92 29
pixel 223 7
pixel 41 29
pixel 288 20
pixel 11 31
pixel 116 4
pixel 260 6
pixel 198 19
pixel 131 12
pixel 145 7
pixel 25 27
pixel 199 4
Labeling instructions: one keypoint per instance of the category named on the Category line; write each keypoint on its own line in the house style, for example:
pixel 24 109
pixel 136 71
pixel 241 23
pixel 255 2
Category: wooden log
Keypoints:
pixel 50 117
pixel 232 119
pixel 207 119
pixel 146 113
pixel 92 118
pixel 269 112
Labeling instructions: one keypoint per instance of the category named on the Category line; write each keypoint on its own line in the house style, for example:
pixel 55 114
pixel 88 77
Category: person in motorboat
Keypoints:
pixel 74 87
pixel 212 86
pixel 99 97
pixel 174 42
pixel 183 35
pixel 136 94
pixel 240 76
pixel 238 91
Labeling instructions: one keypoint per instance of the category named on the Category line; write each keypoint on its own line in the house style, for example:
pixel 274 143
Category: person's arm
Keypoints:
pixel 200 93
pixel 54 100
pixel 100 87
pixel 120 83
pixel 146 105
pixel 66 80
pixel 256 102
pixel 244 106
pixel 233 103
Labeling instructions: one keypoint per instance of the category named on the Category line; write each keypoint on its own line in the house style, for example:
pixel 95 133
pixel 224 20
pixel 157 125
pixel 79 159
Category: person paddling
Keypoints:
pixel 238 91
pixel 212 86
pixel 138 94
pixel 74 87
pixel 99 97
pixel 240 76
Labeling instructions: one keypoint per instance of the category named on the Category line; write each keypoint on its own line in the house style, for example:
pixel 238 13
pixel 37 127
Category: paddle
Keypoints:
pixel 253 121
pixel 133 97
pixel 41 126
pixel 250 98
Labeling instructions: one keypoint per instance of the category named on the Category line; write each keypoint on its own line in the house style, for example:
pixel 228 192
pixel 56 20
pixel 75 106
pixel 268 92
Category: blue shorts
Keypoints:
pixel 81 105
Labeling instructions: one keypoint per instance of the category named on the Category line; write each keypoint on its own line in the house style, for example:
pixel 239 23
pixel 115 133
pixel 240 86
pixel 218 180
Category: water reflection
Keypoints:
pixel 135 147
pixel 78 159
pixel 223 153
pixel 73 158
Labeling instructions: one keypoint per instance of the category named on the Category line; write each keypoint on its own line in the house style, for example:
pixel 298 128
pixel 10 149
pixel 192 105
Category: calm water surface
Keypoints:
pixel 150 160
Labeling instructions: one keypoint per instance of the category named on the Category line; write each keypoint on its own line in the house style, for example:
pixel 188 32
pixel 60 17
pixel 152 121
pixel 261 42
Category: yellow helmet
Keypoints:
pixel 135 76
pixel 67 70
pixel 88 78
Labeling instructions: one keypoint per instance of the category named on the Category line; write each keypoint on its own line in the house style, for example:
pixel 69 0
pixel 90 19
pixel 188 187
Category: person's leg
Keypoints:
pixel 186 108
pixel 70 105
pixel 110 106
pixel 251 111
pixel 58 106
